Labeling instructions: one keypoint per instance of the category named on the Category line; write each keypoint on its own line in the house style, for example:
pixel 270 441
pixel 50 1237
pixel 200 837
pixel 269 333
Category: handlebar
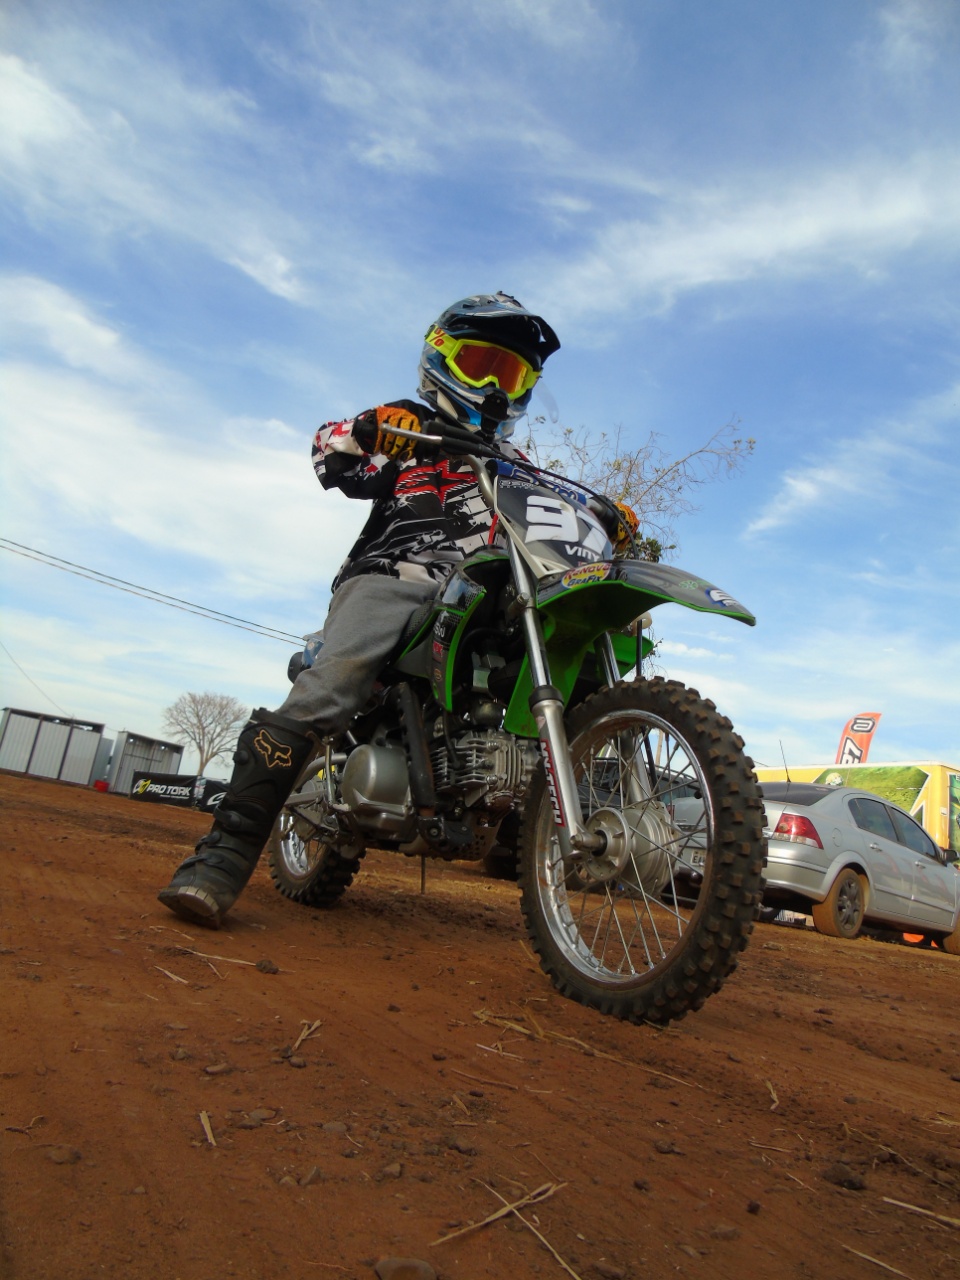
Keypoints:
pixel 457 440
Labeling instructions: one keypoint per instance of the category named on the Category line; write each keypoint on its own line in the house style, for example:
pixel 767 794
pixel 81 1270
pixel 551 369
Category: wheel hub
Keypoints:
pixel 637 837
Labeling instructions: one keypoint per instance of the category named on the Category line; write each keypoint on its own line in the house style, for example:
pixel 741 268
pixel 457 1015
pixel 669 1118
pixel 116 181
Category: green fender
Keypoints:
pixel 578 606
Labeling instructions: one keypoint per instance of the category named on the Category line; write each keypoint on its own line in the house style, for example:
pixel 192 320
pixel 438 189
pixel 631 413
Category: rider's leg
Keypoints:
pixel 270 753
pixel 366 618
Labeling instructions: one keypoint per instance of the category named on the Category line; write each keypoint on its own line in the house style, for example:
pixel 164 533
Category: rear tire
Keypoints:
pixel 951 943
pixel 622 933
pixel 841 913
pixel 305 865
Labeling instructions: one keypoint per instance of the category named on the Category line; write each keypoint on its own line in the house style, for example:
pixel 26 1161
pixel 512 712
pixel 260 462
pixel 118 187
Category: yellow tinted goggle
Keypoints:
pixel 479 363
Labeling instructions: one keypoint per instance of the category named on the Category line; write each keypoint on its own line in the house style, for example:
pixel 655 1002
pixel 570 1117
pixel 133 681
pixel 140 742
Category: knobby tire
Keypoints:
pixel 658 979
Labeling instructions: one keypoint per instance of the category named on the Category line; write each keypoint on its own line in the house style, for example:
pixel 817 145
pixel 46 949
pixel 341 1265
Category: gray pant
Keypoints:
pixel 365 620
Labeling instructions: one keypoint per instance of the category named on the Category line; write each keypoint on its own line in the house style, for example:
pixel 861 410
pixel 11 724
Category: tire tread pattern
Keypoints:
pixel 710 949
pixel 326 884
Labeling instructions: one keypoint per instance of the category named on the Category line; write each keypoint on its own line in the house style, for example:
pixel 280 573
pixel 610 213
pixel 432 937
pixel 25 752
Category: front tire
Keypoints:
pixel 627 933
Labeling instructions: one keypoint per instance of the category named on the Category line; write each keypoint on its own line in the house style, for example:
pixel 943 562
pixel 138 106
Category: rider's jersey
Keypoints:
pixel 426 517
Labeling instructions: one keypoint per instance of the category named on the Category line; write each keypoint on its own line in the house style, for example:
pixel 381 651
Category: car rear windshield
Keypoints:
pixel 794 792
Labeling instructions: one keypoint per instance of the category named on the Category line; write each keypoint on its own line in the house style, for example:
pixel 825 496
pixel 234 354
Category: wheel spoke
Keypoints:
pixel 613 923
pixel 617 926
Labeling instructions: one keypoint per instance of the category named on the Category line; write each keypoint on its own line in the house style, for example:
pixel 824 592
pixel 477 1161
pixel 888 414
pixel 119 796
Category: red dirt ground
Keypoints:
pixel 706 1150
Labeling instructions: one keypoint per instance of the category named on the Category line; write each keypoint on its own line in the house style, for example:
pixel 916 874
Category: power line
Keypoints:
pixel 146 593
pixel 32 681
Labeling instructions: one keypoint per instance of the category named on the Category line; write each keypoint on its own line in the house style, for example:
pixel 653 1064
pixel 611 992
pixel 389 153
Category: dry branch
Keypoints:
pixel 535 1197
pixel 499 1084
pixel 205 1121
pixel 224 959
pixel 539 1234
pixel 309 1029
pixel 172 975
pixel 927 1213
pixel 876 1261
pixel 571 1042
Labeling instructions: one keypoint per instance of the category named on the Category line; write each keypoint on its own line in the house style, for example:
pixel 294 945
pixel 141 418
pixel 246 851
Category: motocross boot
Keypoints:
pixel 270 753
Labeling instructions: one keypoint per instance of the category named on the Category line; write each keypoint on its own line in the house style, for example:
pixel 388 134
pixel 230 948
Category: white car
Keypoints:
pixel 849 858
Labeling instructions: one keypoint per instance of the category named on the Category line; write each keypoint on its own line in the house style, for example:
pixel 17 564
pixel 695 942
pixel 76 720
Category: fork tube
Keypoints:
pixel 545 701
pixel 607 659
pixel 547 707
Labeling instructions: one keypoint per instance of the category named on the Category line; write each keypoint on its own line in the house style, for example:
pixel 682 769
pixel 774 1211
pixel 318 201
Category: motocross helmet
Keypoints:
pixel 481 359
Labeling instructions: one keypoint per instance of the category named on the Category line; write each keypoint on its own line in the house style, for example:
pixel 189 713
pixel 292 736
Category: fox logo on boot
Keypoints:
pixel 273 752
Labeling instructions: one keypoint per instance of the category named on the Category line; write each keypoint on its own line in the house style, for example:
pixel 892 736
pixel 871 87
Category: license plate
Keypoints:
pixel 697 859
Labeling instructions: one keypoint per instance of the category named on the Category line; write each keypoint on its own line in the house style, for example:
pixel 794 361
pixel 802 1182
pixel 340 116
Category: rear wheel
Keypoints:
pixel 307 862
pixel 840 914
pixel 626 932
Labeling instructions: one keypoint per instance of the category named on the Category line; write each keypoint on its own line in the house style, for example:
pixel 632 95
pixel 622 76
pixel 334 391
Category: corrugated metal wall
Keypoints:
pixel 81 753
pixel 16 741
pixel 49 750
pixel 134 754
pixel 48 746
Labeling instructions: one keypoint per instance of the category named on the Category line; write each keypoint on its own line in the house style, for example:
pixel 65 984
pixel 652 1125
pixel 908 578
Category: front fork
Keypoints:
pixel 547 704
pixel 547 707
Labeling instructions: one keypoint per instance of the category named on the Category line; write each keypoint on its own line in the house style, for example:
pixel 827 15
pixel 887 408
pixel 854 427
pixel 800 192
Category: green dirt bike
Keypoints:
pixel 503 716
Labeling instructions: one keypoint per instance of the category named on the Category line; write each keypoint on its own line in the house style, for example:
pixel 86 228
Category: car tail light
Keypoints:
pixel 797 830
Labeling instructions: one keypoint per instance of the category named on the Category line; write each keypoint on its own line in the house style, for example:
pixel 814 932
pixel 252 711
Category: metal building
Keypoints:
pixel 49 746
pixel 133 753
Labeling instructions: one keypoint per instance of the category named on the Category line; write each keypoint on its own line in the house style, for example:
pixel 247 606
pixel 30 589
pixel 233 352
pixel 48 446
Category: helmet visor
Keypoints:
pixel 481 363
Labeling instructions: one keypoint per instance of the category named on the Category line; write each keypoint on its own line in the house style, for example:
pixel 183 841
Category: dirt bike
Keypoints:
pixel 503 714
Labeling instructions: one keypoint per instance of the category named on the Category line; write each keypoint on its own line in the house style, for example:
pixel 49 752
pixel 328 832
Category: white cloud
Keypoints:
pixel 815 223
pixel 909 35
pixel 40 312
pixel 677 649
pixel 570 25
pixel 802 689
pixel 100 437
pixel 889 463
pixel 127 146
pixel 81 452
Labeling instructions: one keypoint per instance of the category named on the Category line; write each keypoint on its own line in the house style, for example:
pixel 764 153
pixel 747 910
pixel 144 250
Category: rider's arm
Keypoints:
pixel 341 463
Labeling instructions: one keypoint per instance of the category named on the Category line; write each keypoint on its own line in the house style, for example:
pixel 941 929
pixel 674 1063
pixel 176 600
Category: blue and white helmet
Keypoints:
pixel 481 359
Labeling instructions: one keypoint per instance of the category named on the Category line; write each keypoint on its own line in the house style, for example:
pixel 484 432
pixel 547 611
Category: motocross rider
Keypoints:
pixel 478 367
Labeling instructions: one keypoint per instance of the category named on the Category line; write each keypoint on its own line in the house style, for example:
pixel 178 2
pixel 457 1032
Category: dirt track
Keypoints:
pixel 706 1150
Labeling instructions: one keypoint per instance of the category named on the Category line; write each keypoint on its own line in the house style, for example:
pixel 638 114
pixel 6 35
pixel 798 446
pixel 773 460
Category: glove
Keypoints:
pixel 373 429
pixel 629 524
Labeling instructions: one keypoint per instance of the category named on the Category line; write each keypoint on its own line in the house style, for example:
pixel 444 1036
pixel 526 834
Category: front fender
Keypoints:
pixel 578 605
pixel 627 588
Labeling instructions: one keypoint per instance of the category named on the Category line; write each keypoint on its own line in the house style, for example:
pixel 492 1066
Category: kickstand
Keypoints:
pixel 423 873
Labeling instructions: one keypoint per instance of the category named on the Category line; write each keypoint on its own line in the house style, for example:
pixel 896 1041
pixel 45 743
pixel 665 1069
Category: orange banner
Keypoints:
pixel 856 738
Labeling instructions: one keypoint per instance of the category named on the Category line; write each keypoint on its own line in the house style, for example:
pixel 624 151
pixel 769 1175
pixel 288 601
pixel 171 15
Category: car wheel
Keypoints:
pixel 951 942
pixel 841 913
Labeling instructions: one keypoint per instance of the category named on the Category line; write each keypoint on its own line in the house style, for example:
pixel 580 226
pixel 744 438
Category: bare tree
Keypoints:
pixel 659 486
pixel 208 721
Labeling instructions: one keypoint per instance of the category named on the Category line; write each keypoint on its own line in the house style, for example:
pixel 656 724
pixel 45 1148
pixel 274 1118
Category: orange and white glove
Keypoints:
pixel 629 524
pixel 374 430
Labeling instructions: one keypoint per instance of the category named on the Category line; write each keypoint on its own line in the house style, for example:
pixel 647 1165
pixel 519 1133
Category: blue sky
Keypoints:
pixel 224 222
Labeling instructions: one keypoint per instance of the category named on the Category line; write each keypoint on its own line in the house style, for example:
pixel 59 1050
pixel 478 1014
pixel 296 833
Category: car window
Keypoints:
pixel 911 835
pixel 872 816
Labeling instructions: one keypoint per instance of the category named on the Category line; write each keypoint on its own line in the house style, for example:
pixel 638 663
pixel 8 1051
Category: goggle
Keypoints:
pixel 479 363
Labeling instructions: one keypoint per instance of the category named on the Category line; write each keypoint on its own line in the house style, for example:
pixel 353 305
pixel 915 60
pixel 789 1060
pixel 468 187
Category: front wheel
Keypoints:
pixel 630 931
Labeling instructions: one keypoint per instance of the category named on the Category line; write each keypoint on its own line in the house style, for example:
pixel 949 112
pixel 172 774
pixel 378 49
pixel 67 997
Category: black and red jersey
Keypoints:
pixel 426 517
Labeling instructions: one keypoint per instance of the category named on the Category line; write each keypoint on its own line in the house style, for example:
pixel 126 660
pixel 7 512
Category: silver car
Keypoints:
pixel 848 858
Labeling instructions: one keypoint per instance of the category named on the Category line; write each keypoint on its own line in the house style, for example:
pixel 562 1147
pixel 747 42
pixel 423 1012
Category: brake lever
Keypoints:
pixel 455 440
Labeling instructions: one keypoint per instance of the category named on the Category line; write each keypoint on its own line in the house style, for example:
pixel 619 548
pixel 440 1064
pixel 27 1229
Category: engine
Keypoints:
pixel 484 767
